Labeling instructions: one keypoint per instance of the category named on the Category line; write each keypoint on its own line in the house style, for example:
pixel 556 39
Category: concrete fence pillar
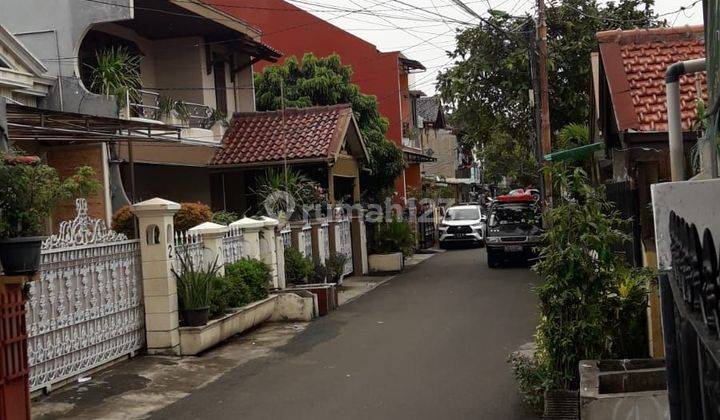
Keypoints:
pixel 333 236
pixel 298 239
pixel 251 236
pixel 359 243
pixel 268 247
pixel 318 241
pixel 157 254
pixel 212 237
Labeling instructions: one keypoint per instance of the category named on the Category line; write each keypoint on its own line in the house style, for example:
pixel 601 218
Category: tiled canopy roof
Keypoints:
pixel 310 134
pixel 428 108
pixel 635 62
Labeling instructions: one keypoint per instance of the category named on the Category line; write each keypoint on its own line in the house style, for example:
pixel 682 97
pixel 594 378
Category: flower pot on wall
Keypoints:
pixel 20 256
pixel 196 317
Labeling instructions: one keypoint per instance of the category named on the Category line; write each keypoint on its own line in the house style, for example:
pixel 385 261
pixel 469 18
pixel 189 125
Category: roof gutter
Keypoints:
pixel 675 134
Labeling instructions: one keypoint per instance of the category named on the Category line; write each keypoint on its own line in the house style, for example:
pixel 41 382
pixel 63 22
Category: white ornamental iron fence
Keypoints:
pixel 306 234
pixel 232 245
pixel 86 308
pixel 344 244
pixel 286 235
pixel 189 247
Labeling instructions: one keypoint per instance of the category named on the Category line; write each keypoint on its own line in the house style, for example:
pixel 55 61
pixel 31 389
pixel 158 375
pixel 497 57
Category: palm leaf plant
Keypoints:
pixel 195 288
pixel 116 71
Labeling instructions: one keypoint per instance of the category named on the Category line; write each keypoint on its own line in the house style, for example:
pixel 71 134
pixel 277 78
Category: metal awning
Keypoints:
pixel 29 123
pixel 416 157
pixel 577 153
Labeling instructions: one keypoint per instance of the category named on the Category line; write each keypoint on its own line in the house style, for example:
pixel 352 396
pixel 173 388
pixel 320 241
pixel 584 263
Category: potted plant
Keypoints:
pixel 116 71
pixel 195 289
pixel 29 192
pixel 393 241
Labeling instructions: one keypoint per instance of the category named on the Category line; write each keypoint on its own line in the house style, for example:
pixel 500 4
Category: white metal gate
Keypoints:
pixel 86 309
pixel 344 245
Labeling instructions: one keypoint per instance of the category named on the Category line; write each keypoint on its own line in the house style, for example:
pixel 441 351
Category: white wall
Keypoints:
pixel 696 201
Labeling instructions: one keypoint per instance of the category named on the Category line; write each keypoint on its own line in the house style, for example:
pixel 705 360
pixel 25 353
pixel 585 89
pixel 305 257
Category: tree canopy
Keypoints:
pixel 487 89
pixel 326 81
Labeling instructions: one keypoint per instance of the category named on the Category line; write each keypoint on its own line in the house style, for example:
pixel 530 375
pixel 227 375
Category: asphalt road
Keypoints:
pixel 430 344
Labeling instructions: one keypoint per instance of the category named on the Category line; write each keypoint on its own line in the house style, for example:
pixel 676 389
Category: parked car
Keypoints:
pixel 514 229
pixel 462 224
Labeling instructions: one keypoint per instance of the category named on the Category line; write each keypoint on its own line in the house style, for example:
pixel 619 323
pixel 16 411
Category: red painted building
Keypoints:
pixel 295 32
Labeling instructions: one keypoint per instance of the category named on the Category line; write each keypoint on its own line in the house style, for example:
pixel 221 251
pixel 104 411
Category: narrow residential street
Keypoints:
pixel 432 343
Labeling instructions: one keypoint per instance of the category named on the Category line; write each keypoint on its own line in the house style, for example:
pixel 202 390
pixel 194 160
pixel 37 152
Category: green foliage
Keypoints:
pixel 195 284
pixel 326 81
pixel 191 215
pixel 116 71
pixel 589 299
pixel 300 189
pixel 30 192
pixel 507 157
pixel 123 221
pixel 335 266
pixel 571 136
pixel 298 269
pixel 255 274
pixel 487 88
pixel 224 217
pixel 395 236
pixel 532 378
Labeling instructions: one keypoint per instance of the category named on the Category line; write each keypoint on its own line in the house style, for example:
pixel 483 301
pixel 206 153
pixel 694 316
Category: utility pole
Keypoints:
pixel 545 141
pixel 535 99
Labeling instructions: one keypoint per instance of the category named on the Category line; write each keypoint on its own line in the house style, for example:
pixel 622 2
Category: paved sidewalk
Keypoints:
pixel 135 388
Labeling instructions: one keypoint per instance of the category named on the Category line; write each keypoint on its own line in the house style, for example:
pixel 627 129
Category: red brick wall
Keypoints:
pixel 66 159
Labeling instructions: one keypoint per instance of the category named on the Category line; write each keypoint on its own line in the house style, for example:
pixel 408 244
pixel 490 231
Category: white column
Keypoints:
pixel 212 237
pixel 268 247
pixel 157 253
pixel 251 236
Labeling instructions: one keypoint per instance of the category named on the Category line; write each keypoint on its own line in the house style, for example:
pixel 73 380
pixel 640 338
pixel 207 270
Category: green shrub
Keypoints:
pixel 224 217
pixel 219 297
pixel 250 279
pixel 123 221
pixel 335 266
pixel 592 303
pixel 532 379
pixel 30 190
pixel 191 215
pixel 297 268
pixel 319 273
pixel 395 236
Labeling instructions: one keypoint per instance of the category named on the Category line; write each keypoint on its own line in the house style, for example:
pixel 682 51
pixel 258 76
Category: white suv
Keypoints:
pixel 462 224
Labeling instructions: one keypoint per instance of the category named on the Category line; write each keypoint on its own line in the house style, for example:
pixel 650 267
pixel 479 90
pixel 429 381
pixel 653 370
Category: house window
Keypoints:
pixel 220 86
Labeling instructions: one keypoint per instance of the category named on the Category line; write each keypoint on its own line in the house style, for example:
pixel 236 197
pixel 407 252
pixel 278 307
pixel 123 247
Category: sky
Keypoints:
pixel 424 29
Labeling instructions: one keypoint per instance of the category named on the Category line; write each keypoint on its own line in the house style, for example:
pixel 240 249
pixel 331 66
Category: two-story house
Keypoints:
pixel 195 66
pixel 387 75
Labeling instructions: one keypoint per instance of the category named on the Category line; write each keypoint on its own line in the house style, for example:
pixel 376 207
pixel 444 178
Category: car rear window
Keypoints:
pixel 462 214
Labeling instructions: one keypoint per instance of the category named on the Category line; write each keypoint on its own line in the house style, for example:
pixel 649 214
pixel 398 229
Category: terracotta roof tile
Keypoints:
pixel 644 56
pixel 257 137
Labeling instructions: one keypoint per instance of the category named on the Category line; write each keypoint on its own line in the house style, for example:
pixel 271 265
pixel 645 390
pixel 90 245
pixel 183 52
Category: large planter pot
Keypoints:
pixel 327 295
pixel 20 256
pixel 385 263
pixel 196 317
pixel 561 404
pixel 632 388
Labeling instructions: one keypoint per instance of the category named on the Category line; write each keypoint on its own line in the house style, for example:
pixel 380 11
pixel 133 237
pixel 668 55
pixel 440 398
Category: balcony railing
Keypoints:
pixel 148 107
pixel 191 114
